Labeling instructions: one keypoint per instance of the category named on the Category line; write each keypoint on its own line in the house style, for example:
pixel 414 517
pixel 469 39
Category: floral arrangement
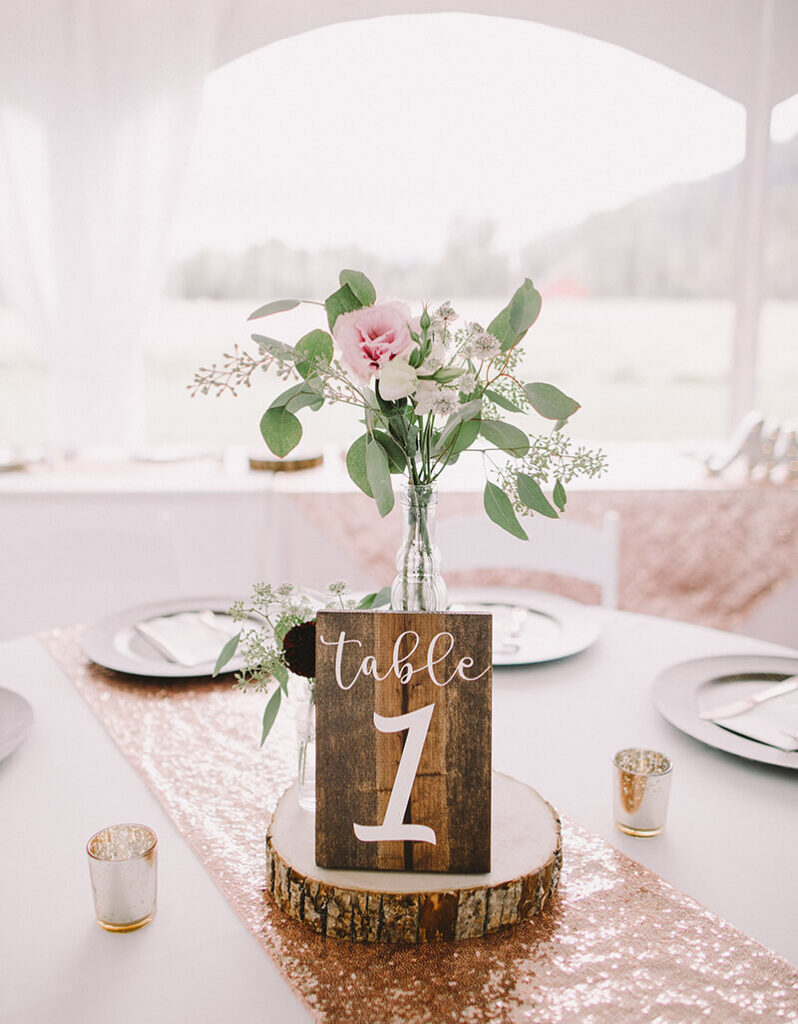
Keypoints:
pixel 429 388
pixel 278 637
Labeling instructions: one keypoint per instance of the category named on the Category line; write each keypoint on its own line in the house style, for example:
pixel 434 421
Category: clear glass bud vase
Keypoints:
pixel 305 713
pixel 419 586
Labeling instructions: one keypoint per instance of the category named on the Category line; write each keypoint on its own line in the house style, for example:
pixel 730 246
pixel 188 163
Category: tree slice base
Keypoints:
pixel 413 907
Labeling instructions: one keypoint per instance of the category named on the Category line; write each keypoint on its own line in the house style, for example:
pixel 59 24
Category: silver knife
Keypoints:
pixel 737 707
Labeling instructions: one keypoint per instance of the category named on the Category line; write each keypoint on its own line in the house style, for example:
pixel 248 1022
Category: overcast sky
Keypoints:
pixel 381 133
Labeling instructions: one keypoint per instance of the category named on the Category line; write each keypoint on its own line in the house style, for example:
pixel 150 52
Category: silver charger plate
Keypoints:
pixel 534 629
pixel 16 720
pixel 682 691
pixel 115 643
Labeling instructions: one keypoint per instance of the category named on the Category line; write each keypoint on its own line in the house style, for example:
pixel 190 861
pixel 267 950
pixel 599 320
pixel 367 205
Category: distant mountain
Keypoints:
pixel 678 242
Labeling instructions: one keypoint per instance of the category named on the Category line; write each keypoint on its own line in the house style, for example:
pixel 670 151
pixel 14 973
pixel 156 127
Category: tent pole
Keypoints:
pixel 752 229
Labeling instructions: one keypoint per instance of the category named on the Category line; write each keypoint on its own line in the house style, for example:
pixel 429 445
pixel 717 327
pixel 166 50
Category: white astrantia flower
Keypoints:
pixel 426 395
pixel 398 379
pixel 466 383
pixel 482 346
pixel 445 312
pixel 446 403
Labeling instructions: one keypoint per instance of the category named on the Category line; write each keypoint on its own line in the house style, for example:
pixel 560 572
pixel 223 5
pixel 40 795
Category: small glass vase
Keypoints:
pixel 419 586
pixel 305 714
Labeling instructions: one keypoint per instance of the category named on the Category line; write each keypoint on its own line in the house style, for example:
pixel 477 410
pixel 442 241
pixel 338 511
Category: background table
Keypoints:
pixel 556 727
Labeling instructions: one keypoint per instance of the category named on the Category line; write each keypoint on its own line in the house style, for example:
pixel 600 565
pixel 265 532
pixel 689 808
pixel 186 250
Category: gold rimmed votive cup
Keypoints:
pixel 123 865
pixel 641 788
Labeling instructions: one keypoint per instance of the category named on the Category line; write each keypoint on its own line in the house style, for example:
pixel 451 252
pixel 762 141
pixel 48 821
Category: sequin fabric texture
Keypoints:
pixel 616 944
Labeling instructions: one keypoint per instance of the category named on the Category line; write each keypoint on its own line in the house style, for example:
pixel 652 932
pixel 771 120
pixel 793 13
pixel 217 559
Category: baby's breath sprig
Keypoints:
pixel 276 637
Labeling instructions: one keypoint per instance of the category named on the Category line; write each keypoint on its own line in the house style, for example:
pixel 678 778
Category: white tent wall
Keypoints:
pixel 98 107
pixel 98 103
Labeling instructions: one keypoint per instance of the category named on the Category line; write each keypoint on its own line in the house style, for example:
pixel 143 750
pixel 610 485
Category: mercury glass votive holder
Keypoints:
pixel 123 865
pixel 641 788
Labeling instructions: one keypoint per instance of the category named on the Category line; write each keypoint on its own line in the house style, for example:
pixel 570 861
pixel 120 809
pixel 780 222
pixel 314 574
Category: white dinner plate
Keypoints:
pixel 682 691
pixel 16 719
pixel 536 628
pixel 115 643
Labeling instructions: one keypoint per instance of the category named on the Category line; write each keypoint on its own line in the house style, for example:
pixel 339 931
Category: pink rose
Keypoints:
pixel 369 338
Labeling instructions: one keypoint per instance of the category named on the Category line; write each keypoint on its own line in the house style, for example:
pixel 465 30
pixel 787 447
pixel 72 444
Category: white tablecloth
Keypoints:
pixel 730 842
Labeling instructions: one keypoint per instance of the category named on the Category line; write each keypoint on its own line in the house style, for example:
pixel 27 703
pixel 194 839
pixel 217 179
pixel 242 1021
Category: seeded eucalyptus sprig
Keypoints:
pixel 271 617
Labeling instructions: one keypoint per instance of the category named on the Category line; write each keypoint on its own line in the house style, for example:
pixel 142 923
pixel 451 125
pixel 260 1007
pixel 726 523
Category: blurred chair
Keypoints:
pixel 563 547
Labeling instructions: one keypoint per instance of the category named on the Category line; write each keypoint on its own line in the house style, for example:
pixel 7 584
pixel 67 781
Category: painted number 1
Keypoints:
pixel 393 826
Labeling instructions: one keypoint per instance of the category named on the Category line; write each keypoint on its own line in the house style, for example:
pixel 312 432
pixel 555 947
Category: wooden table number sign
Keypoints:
pixel 403 759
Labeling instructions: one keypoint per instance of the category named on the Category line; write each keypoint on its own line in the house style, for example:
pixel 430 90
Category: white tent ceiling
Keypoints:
pixel 108 200
pixel 715 42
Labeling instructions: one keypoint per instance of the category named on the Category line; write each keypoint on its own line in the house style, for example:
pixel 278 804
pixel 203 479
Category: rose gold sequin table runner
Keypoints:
pixel 617 943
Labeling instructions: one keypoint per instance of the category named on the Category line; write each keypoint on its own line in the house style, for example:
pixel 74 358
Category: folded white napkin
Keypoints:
pixel 189 638
pixel 774 722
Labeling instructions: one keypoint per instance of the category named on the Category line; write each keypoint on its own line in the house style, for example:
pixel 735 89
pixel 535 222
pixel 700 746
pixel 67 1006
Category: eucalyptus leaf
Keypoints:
pixel 500 510
pixel 397 463
pixel 531 494
pixel 462 438
pixel 379 476
pixel 509 438
pixel 278 349
pixel 281 431
pixel 280 673
pixel 315 348
pixel 303 399
pixel 524 308
pixel 501 328
pixel 226 653
pixel 465 412
pixel 360 285
pixel 356 464
pixel 550 402
pixel 559 496
pixel 278 306
pixel 512 323
pixel 270 714
pixel 376 600
pixel 501 400
pixel 342 301
pixel 297 397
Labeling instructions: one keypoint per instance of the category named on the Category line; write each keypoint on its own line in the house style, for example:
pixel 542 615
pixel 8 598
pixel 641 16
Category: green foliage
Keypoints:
pixel 500 510
pixel 283 353
pixel 226 653
pixel 342 301
pixel 356 464
pixel 550 402
pixel 376 600
pixel 508 438
pixel 379 476
pixel 270 713
pixel 281 430
pixel 280 306
pixel 360 286
pixel 316 350
pixel 531 494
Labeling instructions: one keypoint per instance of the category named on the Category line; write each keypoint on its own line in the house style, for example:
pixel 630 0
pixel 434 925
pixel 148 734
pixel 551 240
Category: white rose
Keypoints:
pixel 398 379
